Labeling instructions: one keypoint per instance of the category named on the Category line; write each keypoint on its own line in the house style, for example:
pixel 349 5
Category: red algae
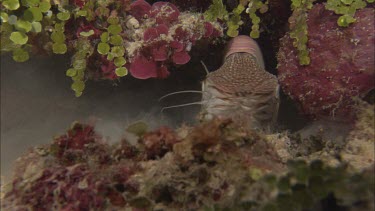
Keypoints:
pixel 140 9
pixel 181 57
pixel 216 163
pixel 143 68
pixel 342 64
pixel 168 39
pixel 164 13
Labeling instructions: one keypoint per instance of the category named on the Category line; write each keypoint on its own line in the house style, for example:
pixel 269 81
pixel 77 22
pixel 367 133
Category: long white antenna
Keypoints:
pixel 182 105
pixel 179 92
pixel 205 68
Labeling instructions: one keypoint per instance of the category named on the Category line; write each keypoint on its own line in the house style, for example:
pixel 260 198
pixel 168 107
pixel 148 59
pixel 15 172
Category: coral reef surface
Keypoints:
pixel 166 36
pixel 342 64
pixel 212 166
pixel 105 38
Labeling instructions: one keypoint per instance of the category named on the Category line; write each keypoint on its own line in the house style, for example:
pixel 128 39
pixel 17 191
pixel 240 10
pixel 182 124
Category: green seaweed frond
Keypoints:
pixel 217 10
pixel 18 20
pixel 298 28
pixel 347 9
pixel 43 23
pixel 79 62
pixel 255 6
pixel 305 184
pixel 234 22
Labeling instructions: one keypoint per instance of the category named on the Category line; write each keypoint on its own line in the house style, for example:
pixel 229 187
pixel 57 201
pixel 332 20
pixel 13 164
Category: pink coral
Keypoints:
pixel 150 34
pixel 163 72
pixel 86 28
pixel 342 64
pixel 76 138
pixel 158 50
pixel 209 29
pixel 143 68
pixel 160 53
pixel 162 29
pixel 139 9
pixel 178 46
pixel 152 66
pixel 86 185
pixel 138 177
pixel 155 32
pixel 158 142
pixel 181 34
pixel 78 3
pixel 164 12
pixel 108 69
pixel 181 57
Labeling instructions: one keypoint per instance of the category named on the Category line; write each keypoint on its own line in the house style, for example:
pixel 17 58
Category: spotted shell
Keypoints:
pixel 241 89
pixel 245 44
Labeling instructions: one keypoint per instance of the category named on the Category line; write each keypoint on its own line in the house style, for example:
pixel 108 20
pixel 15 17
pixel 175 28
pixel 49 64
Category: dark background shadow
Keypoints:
pixel 37 103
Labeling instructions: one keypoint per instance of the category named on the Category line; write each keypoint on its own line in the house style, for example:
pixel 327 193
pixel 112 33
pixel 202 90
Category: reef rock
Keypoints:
pixel 359 150
pixel 215 165
pixel 341 68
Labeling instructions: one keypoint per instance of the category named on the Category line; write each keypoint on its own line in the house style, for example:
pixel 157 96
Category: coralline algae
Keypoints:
pixel 342 64
pixel 215 165
pixel 165 38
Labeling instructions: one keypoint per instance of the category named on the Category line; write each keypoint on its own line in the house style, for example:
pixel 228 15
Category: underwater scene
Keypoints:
pixel 207 105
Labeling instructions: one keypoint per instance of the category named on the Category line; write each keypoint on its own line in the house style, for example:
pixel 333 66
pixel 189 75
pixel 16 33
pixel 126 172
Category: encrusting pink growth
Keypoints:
pixel 140 9
pixel 209 29
pixel 154 32
pixel 341 68
pixel 160 53
pixel 168 38
pixel 138 176
pixel 85 27
pixel 181 57
pixel 107 68
pixel 177 46
pixel 143 68
pixel 164 12
pixel 159 142
pixel 79 3
pixel 162 72
pixel 160 34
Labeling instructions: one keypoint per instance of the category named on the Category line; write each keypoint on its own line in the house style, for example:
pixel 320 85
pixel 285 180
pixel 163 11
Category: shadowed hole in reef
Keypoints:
pixel 330 204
